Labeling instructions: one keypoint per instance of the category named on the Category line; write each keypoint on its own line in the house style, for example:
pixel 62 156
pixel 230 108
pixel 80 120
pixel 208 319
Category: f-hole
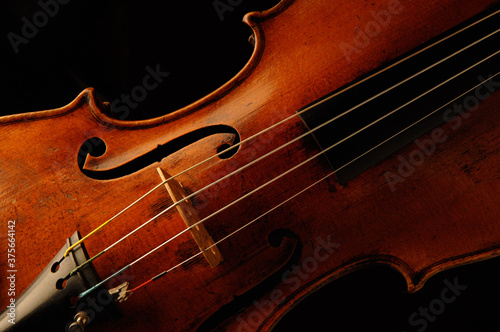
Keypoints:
pixel 96 147
pixel 93 146
pixel 227 150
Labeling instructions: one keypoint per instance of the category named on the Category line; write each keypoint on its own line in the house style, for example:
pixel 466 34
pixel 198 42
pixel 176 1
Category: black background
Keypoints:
pixel 107 45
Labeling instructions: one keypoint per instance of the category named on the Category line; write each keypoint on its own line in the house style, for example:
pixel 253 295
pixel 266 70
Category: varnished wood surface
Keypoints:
pixel 363 199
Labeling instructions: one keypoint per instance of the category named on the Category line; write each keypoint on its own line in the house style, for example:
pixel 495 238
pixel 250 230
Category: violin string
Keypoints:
pixel 271 128
pixel 272 209
pixel 293 141
pixel 66 253
pixel 158 276
pixel 274 151
pixel 304 190
pixel 241 228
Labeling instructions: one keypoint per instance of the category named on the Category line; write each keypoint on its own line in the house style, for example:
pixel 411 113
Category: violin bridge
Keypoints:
pixel 191 217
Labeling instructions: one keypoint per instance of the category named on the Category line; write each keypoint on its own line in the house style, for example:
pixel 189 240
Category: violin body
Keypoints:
pixel 57 178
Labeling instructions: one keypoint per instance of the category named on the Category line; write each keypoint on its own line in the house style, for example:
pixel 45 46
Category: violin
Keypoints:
pixel 353 136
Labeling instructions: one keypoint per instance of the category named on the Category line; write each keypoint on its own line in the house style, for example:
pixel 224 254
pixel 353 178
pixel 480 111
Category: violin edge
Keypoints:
pixel 253 19
pixel 85 97
pixel 97 107
pixel 414 280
